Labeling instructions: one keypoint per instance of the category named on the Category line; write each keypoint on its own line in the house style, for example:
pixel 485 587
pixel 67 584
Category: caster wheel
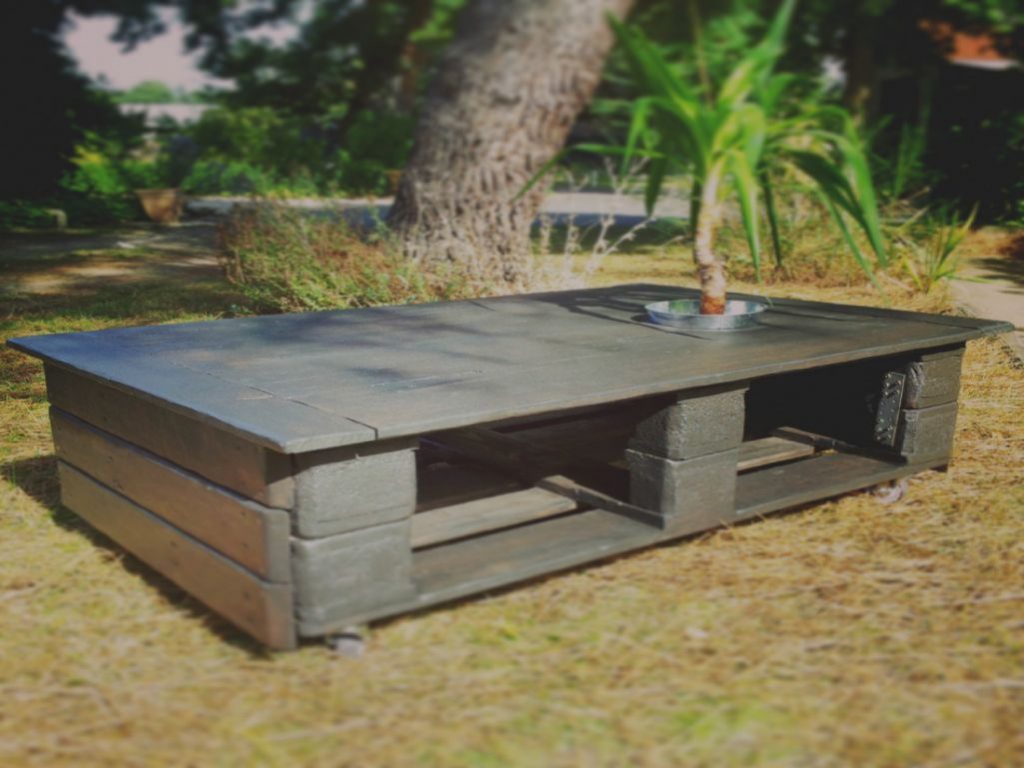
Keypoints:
pixel 891 492
pixel 350 642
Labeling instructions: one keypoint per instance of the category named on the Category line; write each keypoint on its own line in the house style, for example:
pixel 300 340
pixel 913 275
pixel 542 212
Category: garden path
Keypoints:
pixel 993 284
pixel 82 261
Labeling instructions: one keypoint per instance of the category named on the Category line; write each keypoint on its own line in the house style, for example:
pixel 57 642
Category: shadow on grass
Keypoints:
pixel 37 477
pixel 1004 269
pixel 1009 265
pixel 143 302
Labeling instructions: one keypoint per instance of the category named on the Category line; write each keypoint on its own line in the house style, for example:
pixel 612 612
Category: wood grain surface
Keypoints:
pixel 303 382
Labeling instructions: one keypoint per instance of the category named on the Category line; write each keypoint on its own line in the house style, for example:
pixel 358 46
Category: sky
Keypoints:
pixel 162 58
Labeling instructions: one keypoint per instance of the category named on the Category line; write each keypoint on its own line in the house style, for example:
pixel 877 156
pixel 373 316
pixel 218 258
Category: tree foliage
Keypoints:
pixel 730 132
pixel 147 92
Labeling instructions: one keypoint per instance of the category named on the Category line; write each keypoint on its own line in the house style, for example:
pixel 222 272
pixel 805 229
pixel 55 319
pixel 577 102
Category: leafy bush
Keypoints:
pixel 231 177
pixel 375 143
pixel 280 146
pixel 99 191
pixel 285 260
pixel 929 246
pixel 23 214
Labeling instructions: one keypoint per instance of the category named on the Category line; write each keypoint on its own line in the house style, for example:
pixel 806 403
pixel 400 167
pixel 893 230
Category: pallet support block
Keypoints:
pixel 698 423
pixel 926 434
pixel 690 495
pixel 927 421
pixel 350 576
pixel 934 378
pixel 683 459
pixel 346 489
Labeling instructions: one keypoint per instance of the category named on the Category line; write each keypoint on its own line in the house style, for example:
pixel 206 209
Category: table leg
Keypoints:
pixel 351 552
pixel 928 417
pixel 682 460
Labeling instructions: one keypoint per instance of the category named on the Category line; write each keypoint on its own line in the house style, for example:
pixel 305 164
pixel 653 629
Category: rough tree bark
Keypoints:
pixel 502 104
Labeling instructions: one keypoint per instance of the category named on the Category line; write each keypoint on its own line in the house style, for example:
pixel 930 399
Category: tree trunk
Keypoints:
pixel 709 267
pixel 506 95
pixel 859 68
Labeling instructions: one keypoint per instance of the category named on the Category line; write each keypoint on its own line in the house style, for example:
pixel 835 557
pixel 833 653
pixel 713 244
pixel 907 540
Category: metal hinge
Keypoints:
pixel 888 415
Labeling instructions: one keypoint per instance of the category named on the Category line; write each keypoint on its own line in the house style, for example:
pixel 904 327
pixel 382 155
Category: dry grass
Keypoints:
pixel 848 633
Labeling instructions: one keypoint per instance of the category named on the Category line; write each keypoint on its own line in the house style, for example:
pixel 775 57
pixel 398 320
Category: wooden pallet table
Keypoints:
pixel 302 473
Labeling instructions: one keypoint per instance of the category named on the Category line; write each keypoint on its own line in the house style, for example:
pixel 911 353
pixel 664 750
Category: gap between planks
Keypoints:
pixel 555 495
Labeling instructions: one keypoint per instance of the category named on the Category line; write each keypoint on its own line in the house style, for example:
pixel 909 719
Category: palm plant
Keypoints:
pixel 732 137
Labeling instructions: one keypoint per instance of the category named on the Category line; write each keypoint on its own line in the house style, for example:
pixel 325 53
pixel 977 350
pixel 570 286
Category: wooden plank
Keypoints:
pixel 444 484
pixel 589 483
pixel 504 452
pixel 771 450
pixel 259 608
pixel 218 455
pixel 479 564
pixel 248 533
pixel 304 382
pixel 822 477
pixel 490 514
pixel 601 436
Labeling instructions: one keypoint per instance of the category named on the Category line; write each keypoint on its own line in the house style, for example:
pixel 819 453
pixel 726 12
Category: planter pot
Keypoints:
pixel 394 176
pixel 164 206
pixel 685 314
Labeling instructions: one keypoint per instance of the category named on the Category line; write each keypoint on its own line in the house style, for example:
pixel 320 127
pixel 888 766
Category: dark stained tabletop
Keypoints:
pixel 308 381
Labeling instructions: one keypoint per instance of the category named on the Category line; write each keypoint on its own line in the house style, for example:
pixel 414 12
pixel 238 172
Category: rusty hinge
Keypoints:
pixel 888 415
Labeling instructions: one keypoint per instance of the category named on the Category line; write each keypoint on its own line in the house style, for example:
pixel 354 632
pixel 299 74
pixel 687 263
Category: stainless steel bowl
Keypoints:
pixel 685 314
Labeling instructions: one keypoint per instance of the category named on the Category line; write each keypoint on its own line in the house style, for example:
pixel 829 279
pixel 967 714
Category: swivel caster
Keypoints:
pixel 350 642
pixel 891 492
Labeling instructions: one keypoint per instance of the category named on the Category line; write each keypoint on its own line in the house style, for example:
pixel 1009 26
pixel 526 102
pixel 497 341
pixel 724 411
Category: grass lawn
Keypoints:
pixel 847 633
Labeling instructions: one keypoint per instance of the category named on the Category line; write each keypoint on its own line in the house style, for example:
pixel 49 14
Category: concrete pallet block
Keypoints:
pixel 351 573
pixel 698 423
pixel 692 494
pixel 926 434
pixel 345 489
pixel 934 379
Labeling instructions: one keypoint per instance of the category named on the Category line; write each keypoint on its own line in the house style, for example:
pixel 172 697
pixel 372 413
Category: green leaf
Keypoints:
pixel 773 220
pixel 865 265
pixel 746 190
pixel 655 178
pixel 857 199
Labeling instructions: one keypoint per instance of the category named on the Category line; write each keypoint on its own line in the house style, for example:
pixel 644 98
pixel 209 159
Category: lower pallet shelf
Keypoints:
pixel 486 531
pixel 505 557
pixel 815 479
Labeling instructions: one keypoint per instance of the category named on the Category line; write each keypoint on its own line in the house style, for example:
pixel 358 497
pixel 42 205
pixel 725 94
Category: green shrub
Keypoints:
pixel 285 260
pixel 96 190
pixel 23 214
pixel 219 177
pixel 375 143
pixel 280 146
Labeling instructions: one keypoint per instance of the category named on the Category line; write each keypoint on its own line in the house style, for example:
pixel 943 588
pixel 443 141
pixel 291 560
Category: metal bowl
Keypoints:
pixel 685 313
